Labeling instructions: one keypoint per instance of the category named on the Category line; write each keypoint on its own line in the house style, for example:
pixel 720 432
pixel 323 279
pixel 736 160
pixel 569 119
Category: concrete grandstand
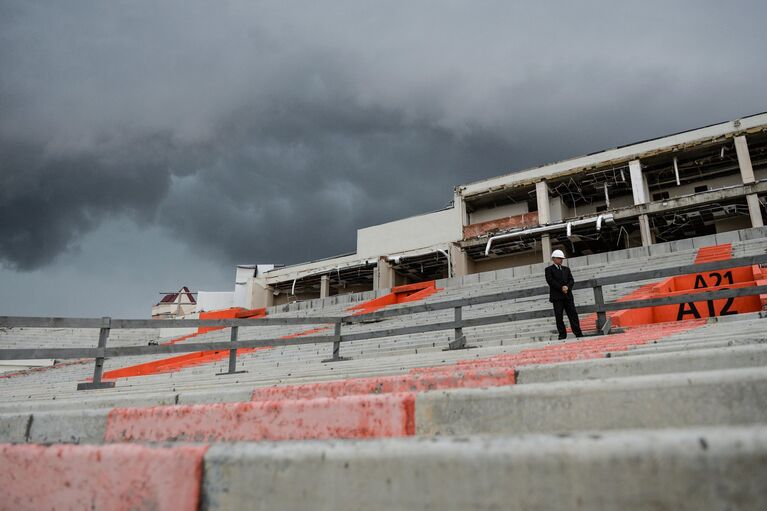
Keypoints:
pixel 662 406
pixel 704 181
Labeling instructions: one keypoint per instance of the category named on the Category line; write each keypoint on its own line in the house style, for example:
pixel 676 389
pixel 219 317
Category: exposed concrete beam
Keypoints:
pixel 678 203
pixel 747 175
pixel 542 196
pixel 744 160
pixel 262 295
pixel 620 155
pixel 460 261
pixel 544 215
pixel 384 275
pixel 324 286
pixel 687 201
pixel 546 247
pixel 638 187
pixel 754 210
pixel 645 231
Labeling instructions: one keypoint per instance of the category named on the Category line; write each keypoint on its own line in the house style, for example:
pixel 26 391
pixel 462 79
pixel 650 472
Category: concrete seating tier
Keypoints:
pixel 664 416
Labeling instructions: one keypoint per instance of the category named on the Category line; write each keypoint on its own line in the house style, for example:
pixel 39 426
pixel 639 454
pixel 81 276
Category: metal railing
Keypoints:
pixel 600 307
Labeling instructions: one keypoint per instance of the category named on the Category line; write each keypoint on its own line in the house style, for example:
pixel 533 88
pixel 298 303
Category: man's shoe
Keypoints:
pixel 562 338
pixel 579 336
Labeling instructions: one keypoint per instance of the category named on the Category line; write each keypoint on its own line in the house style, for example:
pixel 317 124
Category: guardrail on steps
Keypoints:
pixel 600 307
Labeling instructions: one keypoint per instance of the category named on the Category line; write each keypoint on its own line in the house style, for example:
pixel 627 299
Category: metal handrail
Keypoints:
pixel 101 352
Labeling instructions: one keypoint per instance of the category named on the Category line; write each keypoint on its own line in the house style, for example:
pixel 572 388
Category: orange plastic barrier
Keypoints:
pixel 399 294
pixel 231 313
pixel 179 362
pixel 730 278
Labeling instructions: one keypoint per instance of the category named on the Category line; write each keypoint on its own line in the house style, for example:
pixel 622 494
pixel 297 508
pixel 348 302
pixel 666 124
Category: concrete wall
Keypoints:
pixel 620 201
pixel 411 233
pixel 486 214
pixel 510 261
pixel 732 223
pixel 558 210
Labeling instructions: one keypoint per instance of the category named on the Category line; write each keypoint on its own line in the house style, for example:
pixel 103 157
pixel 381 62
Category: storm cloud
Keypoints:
pixel 270 131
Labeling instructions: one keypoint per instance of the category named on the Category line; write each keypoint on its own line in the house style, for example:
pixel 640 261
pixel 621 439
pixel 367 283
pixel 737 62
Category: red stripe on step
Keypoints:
pixel 76 477
pixel 389 384
pixel 371 416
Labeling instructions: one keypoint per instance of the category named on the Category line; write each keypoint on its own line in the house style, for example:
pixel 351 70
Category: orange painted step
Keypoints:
pixel 399 294
pixel 714 253
pixel 455 378
pixel 371 416
pixel 122 476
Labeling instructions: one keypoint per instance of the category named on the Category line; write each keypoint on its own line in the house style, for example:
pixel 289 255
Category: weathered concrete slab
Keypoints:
pixel 731 397
pixel 84 426
pixel 13 427
pixel 652 363
pixel 696 470
pixel 372 416
pixel 70 477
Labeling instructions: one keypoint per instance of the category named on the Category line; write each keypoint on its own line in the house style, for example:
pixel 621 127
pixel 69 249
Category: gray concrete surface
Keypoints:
pixel 697 469
pixel 728 397
pixel 75 427
pixel 702 359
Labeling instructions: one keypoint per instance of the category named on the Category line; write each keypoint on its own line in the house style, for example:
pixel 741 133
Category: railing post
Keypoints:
pixel 459 341
pixel 233 354
pixel 337 344
pixel 98 369
pixel 603 326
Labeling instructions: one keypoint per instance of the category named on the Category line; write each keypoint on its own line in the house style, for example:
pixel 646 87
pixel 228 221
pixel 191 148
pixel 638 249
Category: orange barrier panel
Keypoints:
pixel 399 294
pixel 231 313
pixel 729 278
pixel 171 364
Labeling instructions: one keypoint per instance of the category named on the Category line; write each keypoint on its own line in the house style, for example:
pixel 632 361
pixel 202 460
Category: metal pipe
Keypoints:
pixel 549 228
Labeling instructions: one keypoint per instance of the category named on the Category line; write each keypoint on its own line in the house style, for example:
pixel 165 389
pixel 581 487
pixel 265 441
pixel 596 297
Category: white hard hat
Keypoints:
pixel 557 253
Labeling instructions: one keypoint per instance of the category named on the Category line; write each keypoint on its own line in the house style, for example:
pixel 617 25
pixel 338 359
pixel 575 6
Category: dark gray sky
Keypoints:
pixel 148 145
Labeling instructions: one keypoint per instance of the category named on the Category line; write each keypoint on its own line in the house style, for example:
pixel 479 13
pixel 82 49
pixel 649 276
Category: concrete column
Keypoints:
pixel 638 184
pixel 747 176
pixel 384 274
pixel 644 230
pixel 460 206
pixel 544 215
pixel 641 196
pixel 754 210
pixel 546 247
pixel 462 263
pixel 324 286
pixel 744 160
pixel 542 197
pixel 262 295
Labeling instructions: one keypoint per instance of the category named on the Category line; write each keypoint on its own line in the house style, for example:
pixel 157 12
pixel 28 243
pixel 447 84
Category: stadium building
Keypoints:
pixel 699 182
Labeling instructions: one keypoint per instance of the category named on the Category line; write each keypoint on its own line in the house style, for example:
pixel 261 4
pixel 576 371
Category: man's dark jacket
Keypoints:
pixel 558 278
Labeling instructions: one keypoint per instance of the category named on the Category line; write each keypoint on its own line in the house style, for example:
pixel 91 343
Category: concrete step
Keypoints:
pixel 726 397
pixel 685 469
pixel 695 469
pixel 706 398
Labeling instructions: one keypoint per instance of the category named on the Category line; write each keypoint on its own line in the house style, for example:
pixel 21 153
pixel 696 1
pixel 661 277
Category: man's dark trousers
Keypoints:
pixel 556 277
pixel 567 305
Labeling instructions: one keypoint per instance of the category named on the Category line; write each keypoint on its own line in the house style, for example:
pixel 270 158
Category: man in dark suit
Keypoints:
pixel 561 282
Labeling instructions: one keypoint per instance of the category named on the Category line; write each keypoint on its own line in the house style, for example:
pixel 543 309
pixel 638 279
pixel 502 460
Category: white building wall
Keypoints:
pixel 410 234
